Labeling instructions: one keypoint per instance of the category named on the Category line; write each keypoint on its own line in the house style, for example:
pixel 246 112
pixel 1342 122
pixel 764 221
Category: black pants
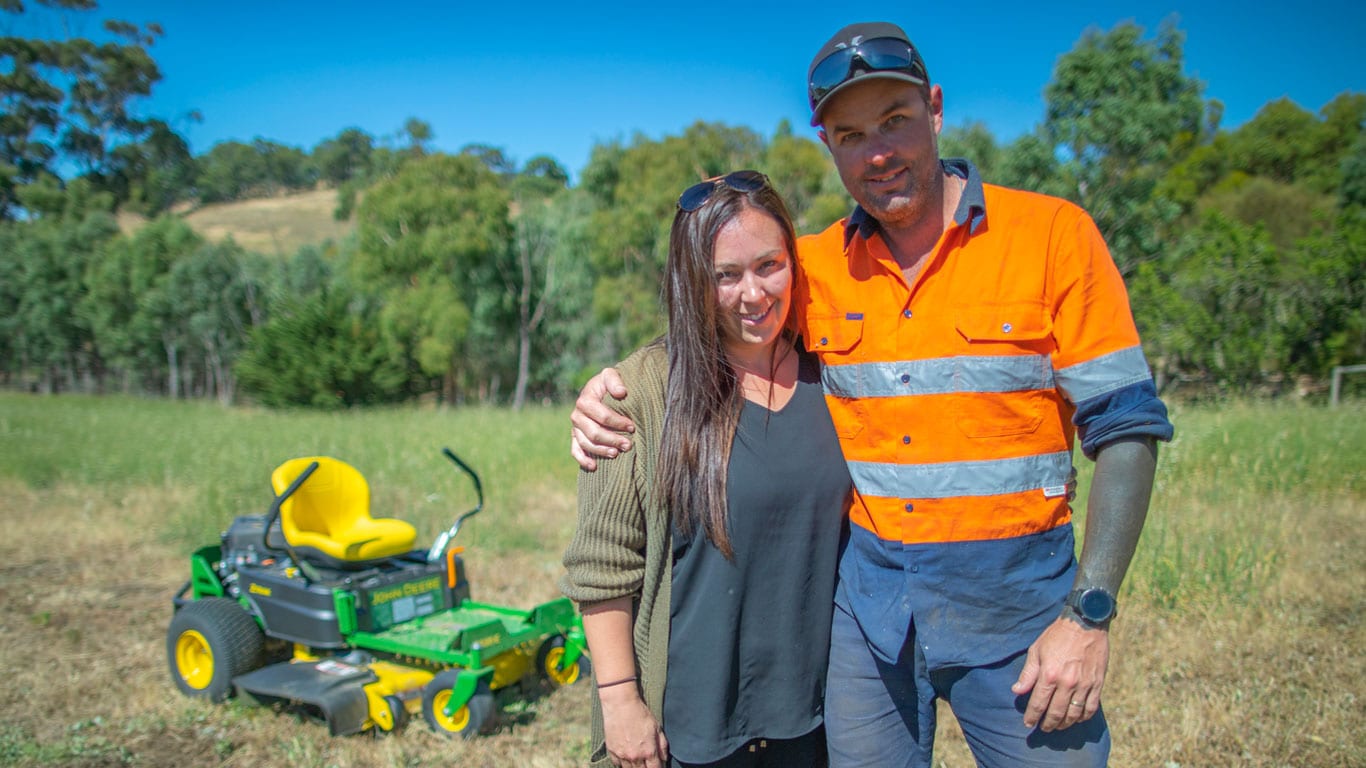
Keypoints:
pixel 802 752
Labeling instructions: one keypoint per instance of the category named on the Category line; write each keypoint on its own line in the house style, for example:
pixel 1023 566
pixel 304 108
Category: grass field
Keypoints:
pixel 1238 643
pixel 274 226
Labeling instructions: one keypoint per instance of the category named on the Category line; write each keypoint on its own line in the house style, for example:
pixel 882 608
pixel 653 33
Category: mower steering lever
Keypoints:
pixel 439 547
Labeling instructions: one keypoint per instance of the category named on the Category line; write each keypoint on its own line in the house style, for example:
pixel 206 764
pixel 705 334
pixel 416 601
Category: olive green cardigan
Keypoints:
pixel 622 543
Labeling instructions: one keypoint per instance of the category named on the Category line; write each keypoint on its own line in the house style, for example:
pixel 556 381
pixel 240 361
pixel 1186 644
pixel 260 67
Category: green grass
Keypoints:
pixel 1241 453
pixel 219 460
pixel 1226 499
pixel 86 743
pixel 1229 489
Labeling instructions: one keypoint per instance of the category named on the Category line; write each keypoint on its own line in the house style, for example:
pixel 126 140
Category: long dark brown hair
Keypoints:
pixel 702 399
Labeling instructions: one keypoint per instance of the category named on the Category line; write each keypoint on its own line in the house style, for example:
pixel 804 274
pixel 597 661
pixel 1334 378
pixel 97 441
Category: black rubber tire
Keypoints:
pixel 399 712
pixel 211 641
pixel 476 717
pixel 548 657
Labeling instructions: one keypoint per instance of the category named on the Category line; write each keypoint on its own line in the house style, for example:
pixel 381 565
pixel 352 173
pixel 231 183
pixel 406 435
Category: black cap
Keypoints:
pixel 842 72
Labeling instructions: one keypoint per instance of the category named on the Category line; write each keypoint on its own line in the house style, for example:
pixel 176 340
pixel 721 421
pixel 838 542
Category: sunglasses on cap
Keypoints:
pixel 880 54
pixel 697 195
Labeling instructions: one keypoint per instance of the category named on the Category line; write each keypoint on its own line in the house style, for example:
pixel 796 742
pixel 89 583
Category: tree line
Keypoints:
pixel 472 277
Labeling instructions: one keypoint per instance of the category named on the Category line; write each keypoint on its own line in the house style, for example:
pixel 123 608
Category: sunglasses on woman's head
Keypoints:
pixel 697 195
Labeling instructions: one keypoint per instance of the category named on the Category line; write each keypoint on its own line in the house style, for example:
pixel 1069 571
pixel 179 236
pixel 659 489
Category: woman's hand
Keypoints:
pixel 634 738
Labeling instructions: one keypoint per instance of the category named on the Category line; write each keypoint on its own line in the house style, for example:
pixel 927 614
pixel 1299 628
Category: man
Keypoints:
pixel 969 334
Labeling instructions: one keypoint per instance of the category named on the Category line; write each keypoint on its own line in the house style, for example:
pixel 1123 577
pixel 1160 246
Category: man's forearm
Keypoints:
pixel 1115 511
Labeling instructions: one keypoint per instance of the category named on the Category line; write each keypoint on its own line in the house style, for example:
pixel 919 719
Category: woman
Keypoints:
pixel 704 561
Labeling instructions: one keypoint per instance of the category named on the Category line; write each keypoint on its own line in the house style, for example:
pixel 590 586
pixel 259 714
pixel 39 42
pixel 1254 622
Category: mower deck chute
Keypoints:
pixel 335 688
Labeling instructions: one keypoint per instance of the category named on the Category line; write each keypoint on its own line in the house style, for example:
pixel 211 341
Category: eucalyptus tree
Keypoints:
pixel 440 221
pixel 211 291
pixel 344 157
pixel 801 171
pixel 69 101
pixel 1122 110
pixel 531 269
pixel 129 307
pixel 51 341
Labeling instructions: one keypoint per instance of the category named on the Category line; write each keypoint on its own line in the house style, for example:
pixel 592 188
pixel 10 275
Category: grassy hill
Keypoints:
pixel 271 225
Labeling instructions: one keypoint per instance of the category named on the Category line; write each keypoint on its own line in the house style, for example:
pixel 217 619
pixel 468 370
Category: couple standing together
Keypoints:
pixel 848 492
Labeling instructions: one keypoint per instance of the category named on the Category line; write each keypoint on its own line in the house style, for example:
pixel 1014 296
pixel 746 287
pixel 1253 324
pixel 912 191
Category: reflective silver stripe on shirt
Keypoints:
pixel 939 376
pixel 961 478
pixel 1103 374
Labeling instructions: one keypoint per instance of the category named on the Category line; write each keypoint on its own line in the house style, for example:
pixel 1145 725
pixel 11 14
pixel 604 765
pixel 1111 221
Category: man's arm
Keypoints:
pixel 597 428
pixel 1065 668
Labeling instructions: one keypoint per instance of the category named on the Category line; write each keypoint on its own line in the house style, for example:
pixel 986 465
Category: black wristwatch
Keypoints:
pixel 1092 606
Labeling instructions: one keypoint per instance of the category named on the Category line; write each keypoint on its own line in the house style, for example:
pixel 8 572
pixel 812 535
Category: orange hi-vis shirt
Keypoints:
pixel 953 397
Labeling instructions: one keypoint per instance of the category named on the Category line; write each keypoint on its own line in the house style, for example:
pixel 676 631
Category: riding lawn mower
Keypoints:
pixel 316 604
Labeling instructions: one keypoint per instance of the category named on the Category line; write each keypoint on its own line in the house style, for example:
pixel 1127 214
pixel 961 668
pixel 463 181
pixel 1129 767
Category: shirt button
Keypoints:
pixel 906 313
pixel 824 341
pixel 915 569
pixel 1006 328
pixel 905 378
pixel 910 507
pixel 905 439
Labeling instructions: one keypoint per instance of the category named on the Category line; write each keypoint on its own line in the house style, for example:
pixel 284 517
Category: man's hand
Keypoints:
pixel 597 428
pixel 634 738
pixel 1065 669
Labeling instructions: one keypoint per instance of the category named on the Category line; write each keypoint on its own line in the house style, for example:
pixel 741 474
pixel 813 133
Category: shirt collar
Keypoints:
pixel 972 206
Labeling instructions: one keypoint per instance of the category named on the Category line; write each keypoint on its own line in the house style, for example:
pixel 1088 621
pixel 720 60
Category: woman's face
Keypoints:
pixel 753 281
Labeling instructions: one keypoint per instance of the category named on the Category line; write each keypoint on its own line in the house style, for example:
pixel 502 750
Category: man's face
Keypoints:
pixel 883 136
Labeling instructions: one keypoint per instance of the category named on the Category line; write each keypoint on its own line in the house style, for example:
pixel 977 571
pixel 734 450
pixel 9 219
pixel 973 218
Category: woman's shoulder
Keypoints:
pixel 645 373
pixel 647 366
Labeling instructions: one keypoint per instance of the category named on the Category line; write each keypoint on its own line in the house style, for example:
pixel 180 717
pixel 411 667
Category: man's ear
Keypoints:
pixel 824 139
pixel 936 107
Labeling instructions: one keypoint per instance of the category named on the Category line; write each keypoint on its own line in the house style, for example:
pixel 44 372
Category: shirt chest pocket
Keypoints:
pixel 837 340
pixel 1003 378
pixel 1016 324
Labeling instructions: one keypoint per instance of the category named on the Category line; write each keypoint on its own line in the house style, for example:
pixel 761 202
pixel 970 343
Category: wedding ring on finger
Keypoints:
pixel 1078 704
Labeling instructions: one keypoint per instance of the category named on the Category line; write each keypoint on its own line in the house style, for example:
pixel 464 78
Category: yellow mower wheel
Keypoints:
pixel 456 723
pixel 194 659
pixel 475 717
pixel 550 658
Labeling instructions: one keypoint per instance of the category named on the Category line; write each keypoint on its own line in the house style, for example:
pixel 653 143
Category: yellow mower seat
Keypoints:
pixel 327 520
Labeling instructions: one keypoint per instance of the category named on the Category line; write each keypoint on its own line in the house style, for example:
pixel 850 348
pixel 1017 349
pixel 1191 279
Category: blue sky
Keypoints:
pixel 556 78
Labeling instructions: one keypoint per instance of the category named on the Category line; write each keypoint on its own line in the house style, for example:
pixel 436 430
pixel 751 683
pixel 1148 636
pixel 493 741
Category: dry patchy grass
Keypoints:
pixel 270 225
pixel 86 583
pixel 86 589
pixel 1276 682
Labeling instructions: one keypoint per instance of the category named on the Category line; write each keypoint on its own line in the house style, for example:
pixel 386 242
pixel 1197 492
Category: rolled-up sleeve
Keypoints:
pixel 1099 363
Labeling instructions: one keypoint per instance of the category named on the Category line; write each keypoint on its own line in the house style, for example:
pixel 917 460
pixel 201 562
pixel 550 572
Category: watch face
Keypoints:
pixel 1096 605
